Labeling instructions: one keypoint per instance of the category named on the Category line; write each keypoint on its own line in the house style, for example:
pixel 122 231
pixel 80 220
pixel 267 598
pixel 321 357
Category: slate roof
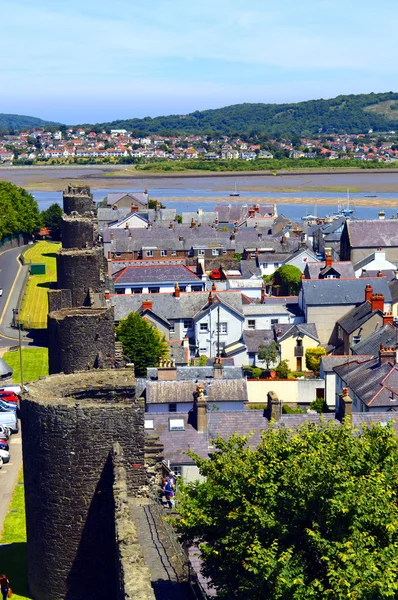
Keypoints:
pixel 357 316
pixel 114 197
pixel 386 335
pixel 185 307
pixel 178 352
pixel 167 273
pixel 373 383
pixel 389 274
pixel 248 284
pixel 285 330
pixel 228 213
pixel 218 390
pixel 205 216
pixel 314 269
pixel 195 373
pixel 374 233
pixel 329 362
pixel 249 268
pixel 323 292
pixel 253 338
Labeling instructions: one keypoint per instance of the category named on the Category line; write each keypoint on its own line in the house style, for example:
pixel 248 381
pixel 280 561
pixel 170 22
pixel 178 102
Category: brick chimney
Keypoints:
pixel 345 404
pixel 107 295
pixel 210 299
pixel 177 290
pixel 218 368
pixel 377 302
pixel 379 273
pixel 147 305
pixel 192 224
pixel 387 355
pixel 328 260
pixel 213 287
pixel 167 370
pixel 134 208
pixel 171 225
pixel 262 293
pixel 274 406
pixel 368 292
pixel 201 410
pixel 388 317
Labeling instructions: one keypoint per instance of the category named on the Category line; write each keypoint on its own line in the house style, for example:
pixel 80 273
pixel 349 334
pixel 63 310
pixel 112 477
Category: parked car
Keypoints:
pixel 215 274
pixel 5 432
pixel 4 457
pixel 1 291
pixel 8 396
pixel 14 388
pixel 4 445
pixel 7 406
pixel 8 418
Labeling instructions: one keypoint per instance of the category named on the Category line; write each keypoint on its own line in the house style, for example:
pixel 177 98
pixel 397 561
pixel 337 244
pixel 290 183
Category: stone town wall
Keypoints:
pixel 134 578
pixel 79 271
pixel 69 426
pixel 81 339
pixel 77 232
pixel 58 299
pixel 78 199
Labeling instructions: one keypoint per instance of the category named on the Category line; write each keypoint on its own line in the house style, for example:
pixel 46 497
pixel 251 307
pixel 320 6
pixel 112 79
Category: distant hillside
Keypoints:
pixel 18 122
pixel 355 114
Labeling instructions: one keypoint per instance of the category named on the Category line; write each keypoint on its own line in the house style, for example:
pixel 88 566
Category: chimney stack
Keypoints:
pixel 171 225
pixel 201 410
pixel 274 407
pixel 377 302
pixel 387 355
pixel 177 290
pixel 262 292
pixel 345 404
pixel 368 292
pixel 382 215
pixel 388 317
pixel 218 368
pixel 213 287
pixel 328 261
pixel 167 370
pixel 147 305
pixel 107 295
pixel 192 224
pixel 210 299
pixel 134 208
pixel 256 208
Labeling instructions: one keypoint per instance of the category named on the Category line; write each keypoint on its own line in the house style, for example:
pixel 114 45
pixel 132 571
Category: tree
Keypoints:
pixel 268 353
pixel 290 276
pixel 19 212
pixel 142 343
pixel 307 514
pixel 52 218
pixel 320 405
pixel 282 370
pixel 313 358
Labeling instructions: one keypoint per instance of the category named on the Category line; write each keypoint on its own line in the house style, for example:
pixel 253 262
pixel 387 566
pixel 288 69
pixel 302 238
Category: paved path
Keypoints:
pixel 166 581
pixel 9 475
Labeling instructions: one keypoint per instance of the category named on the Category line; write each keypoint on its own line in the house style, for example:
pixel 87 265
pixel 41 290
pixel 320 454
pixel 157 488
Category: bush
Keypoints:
pixel 319 404
pixel 313 358
pixel 282 370
pixel 252 372
pixel 289 410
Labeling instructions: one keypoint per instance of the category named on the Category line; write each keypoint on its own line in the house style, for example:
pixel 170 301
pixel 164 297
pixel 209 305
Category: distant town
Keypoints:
pixel 85 146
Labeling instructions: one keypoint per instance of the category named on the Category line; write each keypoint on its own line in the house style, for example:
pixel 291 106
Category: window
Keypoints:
pixel 265 265
pixel 203 327
pixel 187 323
pixel 120 290
pixel 299 343
pixel 215 252
pixel 148 424
pixel 203 349
pixel 137 290
pixel 149 252
pixel 154 290
pixel 177 469
pixel 183 288
pixel 176 425
pixel 172 407
pixel 163 253
pixel 356 339
pixel 173 253
pixel 201 252
pixel 196 288
pixel 172 327
pixel 223 327
pixel 274 322
pixel 251 324
pixel 118 253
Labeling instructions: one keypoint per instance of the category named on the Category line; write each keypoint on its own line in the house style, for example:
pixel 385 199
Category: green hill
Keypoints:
pixel 18 122
pixel 354 114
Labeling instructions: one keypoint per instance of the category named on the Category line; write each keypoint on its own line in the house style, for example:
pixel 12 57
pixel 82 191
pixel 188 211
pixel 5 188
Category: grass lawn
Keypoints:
pixel 34 364
pixel 35 303
pixel 13 556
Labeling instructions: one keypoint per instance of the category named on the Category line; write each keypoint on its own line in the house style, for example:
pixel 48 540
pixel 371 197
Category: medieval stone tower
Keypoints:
pixel 80 325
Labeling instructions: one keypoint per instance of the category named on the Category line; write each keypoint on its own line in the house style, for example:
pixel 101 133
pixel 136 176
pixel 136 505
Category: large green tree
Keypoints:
pixel 52 218
pixel 311 513
pixel 268 353
pixel 19 212
pixel 142 343
pixel 289 276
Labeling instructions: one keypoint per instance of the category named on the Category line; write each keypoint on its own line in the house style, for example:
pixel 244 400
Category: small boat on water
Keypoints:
pixel 235 192
pixel 370 195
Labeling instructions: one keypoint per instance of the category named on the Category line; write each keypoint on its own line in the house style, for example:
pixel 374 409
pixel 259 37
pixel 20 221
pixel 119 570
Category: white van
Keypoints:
pixel 14 388
pixel 9 419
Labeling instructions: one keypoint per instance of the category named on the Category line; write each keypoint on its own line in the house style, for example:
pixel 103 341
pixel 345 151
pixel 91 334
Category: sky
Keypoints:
pixel 77 61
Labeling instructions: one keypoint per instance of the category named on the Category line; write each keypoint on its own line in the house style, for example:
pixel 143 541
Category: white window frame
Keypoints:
pixel 223 328
pixel 203 327
pixel 176 424
pixel 251 324
pixel 148 253
pixel 187 324
pixel 201 252
pixel 163 253
pixel 215 252
pixel 148 424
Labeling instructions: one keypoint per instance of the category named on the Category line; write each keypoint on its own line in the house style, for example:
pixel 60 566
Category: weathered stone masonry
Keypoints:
pixel 69 426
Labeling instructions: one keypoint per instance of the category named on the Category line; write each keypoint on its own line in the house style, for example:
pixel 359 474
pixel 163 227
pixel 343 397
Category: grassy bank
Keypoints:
pixel 35 303
pixel 34 364
pixel 13 555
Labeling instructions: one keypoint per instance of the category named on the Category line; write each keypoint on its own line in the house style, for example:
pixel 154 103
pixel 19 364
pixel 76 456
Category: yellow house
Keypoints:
pixel 293 341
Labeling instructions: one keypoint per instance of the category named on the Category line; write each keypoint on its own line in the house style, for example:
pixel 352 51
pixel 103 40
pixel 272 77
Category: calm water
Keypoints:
pixel 292 211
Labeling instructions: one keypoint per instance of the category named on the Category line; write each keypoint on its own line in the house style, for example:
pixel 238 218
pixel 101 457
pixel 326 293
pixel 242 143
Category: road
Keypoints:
pixel 11 279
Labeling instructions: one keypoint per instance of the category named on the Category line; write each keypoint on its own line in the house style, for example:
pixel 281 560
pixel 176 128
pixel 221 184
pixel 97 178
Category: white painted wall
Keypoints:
pixel 207 340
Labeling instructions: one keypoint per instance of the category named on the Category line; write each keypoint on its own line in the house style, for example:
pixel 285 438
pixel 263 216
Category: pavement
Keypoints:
pixel 12 274
pixel 9 475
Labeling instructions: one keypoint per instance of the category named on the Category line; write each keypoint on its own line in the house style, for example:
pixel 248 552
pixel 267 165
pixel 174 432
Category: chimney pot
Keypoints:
pixel 177 290
pixel 210 298
pixel 387 355
pixel 377 302
pixel 388 317
pixel 328 261
pixel 201 410
pixel 213 287
pixel 368 292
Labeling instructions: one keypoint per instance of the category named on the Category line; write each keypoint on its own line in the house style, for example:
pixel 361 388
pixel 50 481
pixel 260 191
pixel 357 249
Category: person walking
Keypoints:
pixel 5 587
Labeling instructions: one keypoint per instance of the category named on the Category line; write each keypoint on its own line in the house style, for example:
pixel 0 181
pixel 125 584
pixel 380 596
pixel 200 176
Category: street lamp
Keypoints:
pixel 18 324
